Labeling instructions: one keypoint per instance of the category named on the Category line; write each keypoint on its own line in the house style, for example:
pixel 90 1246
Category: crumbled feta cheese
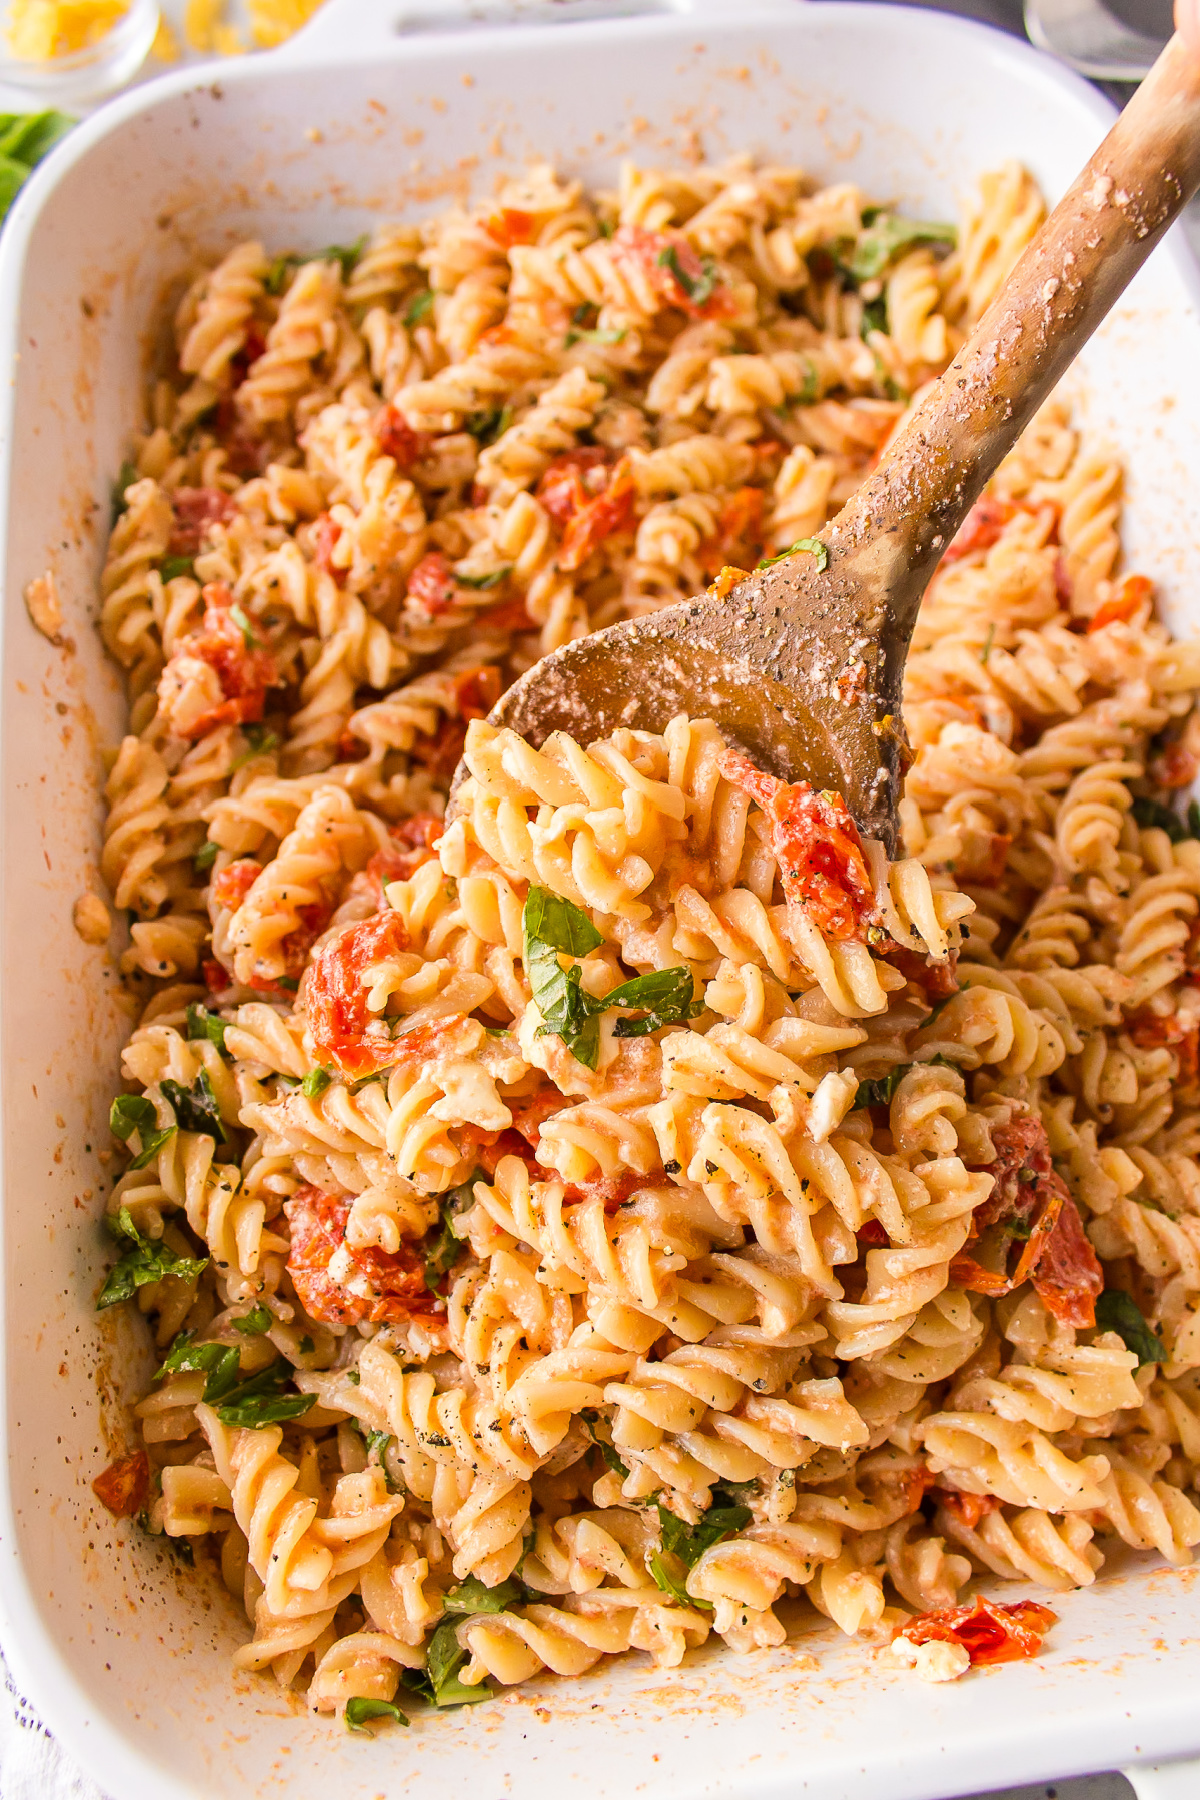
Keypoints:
pixel 935 1661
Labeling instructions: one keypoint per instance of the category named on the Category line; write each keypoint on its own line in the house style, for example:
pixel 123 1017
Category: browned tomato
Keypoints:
pixel 988 1631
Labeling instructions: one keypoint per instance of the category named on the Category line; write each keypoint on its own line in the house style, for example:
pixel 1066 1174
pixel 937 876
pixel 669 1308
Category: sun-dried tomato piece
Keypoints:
pixel 123 1486
pixel 938 979
pixel 520 1139
pixel 380 1286
pixel 980 529
pixel 509 226
pixel 410 845
pixel 968 1509
pixel 441 751
pixel 476 691
pixel 872 1235
pixel 216 976
pixel 1123 605
pixel 432 586
pixel 609 512
pixel 1068 1275
pixel 325 534
pixel 988 1631
pixel 195 509
pixel 510 615
pixel 398 439
pixel 1173 767
pixel 336 999
pixel 817 846
pixel 668 263
pixel 573 479
pixel 244 669
pixel 230 887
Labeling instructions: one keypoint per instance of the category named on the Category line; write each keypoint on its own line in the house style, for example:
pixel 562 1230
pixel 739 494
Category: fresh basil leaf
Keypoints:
pixel 603 335
pixel 550 920
pixel 551 925
pixel 1118 1311
pixel 875 316
pixel 444 1658
pixel 346 254
pixel 359 1710
pixel 173 566
pixel 258 1410
pixel 880 1089
pixel 152 1142
pixel 378 1440
pixel 196 1107
pixel 257 1322
pixel 670 1583
pixel 489 425
pixel 129 1113
pixel 220 1362
pixel 203 1024
pixel 125 479
pixel 814 546
pixel 698 288
pixel 28 137
pixel 260 740
pixel 887 238
pixel 492 579
pixel 205 856
pixel 669 994
pixel 122 1227
pixel 1152 813
pixel 612 1460
pixel 244 626
pixel 281 268
pixel 689 1542
pixel 419 308
pixel 315 1083
pixel 150 1261
pixel 471 1596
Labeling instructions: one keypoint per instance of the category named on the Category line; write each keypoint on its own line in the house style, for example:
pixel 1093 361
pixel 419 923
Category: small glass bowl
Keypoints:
pixel 88 74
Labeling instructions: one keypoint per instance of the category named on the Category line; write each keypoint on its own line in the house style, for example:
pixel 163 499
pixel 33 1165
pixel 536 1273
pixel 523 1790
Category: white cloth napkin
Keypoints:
pixel 32 1766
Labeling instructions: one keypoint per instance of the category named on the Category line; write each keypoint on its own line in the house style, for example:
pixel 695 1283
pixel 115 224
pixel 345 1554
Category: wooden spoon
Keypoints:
pixel 802 666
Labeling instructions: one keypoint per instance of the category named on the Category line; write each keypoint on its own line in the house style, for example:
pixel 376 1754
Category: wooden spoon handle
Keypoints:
pixel 1087 252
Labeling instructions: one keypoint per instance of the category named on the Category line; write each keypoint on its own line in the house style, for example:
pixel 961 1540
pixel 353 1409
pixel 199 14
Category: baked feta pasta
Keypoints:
pixel 626 1206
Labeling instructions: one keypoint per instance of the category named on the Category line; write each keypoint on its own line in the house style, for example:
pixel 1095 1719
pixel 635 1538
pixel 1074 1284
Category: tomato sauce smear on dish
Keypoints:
pixel 987 1630
pixel 817 847
pixel 378 1286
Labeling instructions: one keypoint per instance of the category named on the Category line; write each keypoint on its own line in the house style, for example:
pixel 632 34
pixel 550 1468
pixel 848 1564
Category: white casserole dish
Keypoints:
pixel 124 1653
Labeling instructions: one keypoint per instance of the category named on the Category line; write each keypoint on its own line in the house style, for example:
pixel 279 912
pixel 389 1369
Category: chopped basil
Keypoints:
pixel 551 925
pixel 129 1113
pixel 685 1544
pixel 444 1250
pixel 1152 813
pixel 698 288
pixel 203 1024
pixel 419 308
pixel 444 1658
pixel 220 1362
pixel 260 1400
pixel 196 1107
pixel 306 1345
pixel 888 237
pixel 1118 1311
pixel 604 335
pixel 875 316
pixel 172 566
pixel 147 1262
pixel 244 626
pixel 492 579
pixel 315 1083
pixel 489 425
pixel 284 266
pixel 260 741
pixel 125 480
pixel 353 1377
pixel 604 1446
pixel 669 994
pixel 378 1440
pixel 670 1583
pixel 257 1322
pixel 360 1709
pixel 814 546
pixel 471 1596
pixel 879 1090
pixel 205 856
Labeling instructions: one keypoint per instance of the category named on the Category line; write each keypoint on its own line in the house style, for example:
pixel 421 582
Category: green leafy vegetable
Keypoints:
pixel 683 1545
pixel 698 288
pixel 244 626
pixel 438 1681
pixel 172 566
pixel 306 1345
pixel 260 741
pixel 551 925
pixel 1152 813
pixel 1118 1311
pixel 220 1362
pixel 445 1249
pixel 359 1710
pixel 315 1083
pixel 134 1112
pixel 277 275
pixel 814 546
pixel 669 994
pixel 875 316
pixel 489 425
pixel 886 238
pixel 257 1322
pixel 492 579
pixel 603 1445
pixel 602 335
pixel 205 856
pixel 284 266
pixel 419 308
pixel 260 1400
pixel 203 1024
pixel 125 479
pixel 471 1596
pixel 25 138
pixel 879 1090
pixel 672 1583
pixel 196 1107
pixel 148 1261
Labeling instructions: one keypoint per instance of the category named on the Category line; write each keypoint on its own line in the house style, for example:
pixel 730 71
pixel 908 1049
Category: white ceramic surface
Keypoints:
pixel 123 1653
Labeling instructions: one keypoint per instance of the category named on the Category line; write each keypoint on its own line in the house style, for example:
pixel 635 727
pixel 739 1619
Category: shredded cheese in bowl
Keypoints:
pixel 41 30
